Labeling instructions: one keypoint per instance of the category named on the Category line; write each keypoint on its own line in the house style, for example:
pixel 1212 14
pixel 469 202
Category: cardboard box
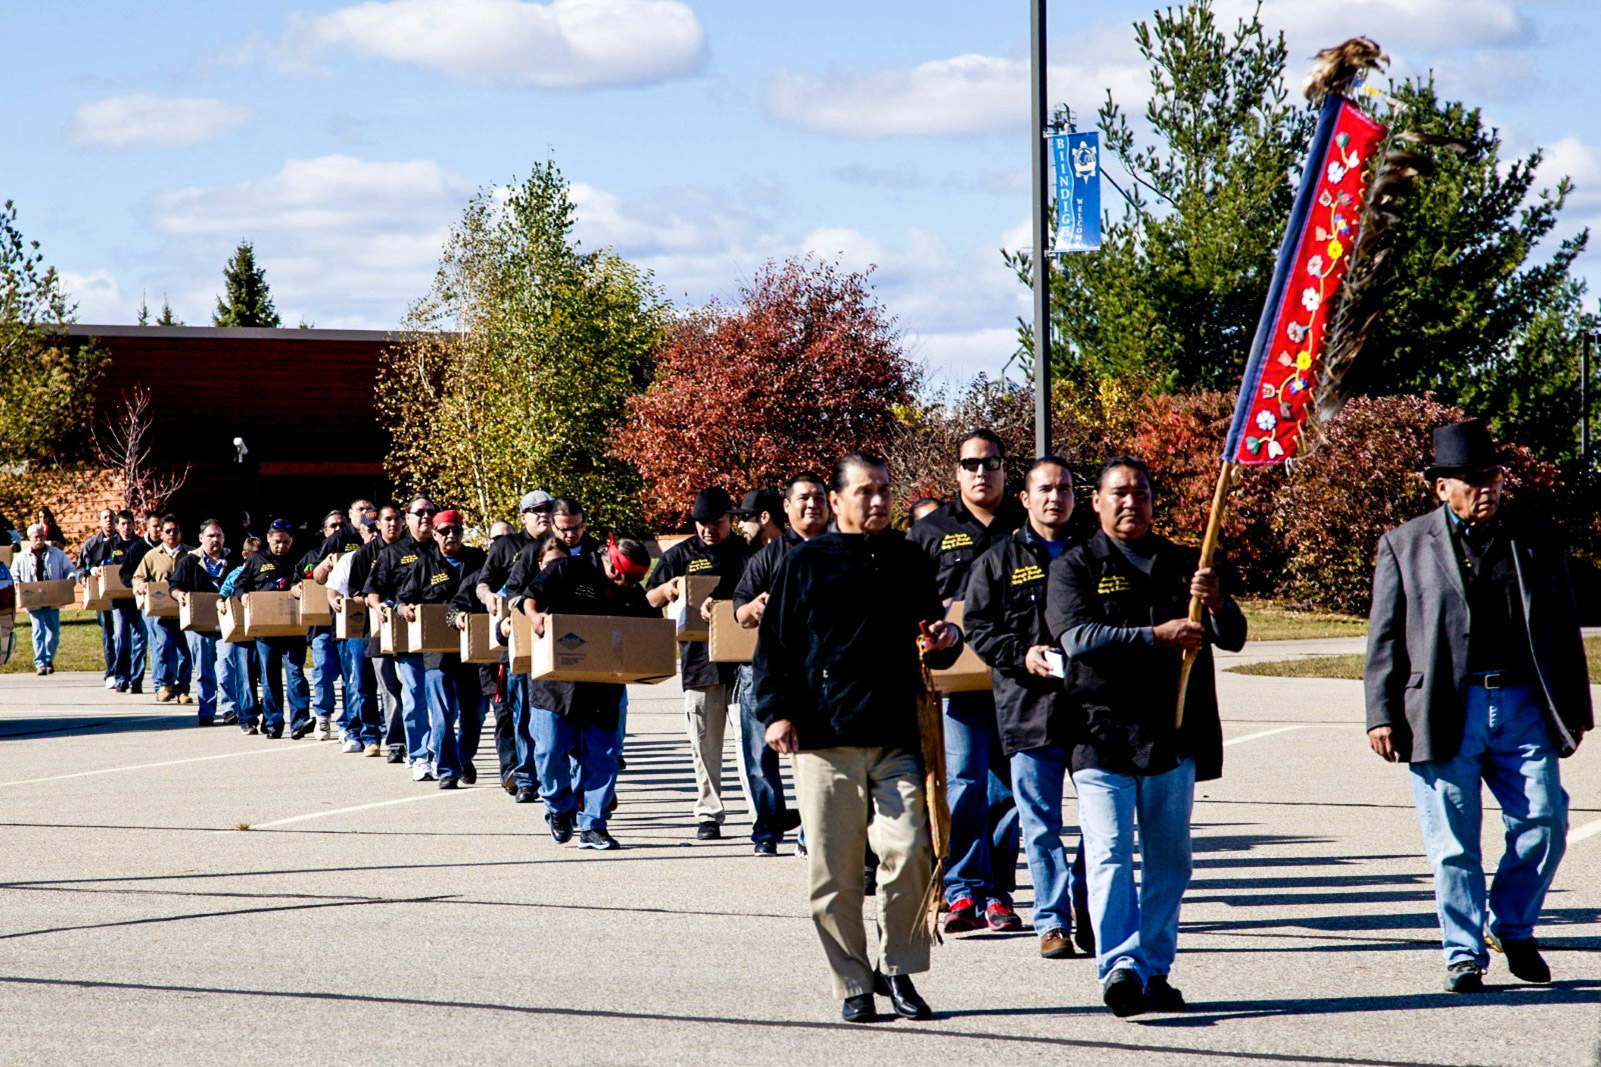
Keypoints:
pixel 428 631
pixel 231 621
pixel 314 609
pixel 110 584
pixel 520 644
pixel 351 618
pixel 199 613
pixel 5 554
pixel 686 609
pixel 394 636
pixel 729 641
pixel 604 648
pixel 89 598
pixel 157 602
pixel 968 674
pixel 55 594
pixel 272 614
pixel 476 646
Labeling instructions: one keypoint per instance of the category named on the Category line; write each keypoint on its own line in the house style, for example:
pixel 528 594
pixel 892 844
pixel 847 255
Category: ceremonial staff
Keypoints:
pixel 1320 305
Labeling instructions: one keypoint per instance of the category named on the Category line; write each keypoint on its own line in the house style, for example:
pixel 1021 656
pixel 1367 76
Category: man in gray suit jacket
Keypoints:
pixel 1476 670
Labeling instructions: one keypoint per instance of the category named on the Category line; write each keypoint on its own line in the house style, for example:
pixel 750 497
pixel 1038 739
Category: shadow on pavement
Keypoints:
pixel 44 726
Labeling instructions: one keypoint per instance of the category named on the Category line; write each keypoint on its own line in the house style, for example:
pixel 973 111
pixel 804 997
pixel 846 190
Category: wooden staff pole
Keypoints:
pixel 1214 526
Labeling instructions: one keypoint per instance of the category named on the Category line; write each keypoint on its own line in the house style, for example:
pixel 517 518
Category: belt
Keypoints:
pixel 1495 679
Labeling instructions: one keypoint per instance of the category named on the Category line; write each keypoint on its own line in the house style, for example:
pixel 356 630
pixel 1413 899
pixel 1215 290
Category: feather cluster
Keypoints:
pixel 1339 70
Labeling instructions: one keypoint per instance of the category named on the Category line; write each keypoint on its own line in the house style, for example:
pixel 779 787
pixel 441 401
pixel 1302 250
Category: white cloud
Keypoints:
pixel 1398 25
pixel 335 232
pixel 563 44
pixel 140 119
pixel 959 356
pixel 97 295
pixel 1574 159
pixel 965 94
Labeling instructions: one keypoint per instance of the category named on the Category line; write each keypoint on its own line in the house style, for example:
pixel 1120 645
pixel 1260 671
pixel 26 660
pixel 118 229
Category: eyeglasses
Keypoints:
pixel 447 531
pixel 169 529
pixel 426 513
pixel 973 464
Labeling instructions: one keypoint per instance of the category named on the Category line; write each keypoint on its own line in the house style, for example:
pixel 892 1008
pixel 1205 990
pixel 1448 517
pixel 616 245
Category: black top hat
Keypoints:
pixel 1460 447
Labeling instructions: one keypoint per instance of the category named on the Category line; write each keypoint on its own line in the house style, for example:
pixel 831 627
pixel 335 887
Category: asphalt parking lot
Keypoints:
pixel 172 894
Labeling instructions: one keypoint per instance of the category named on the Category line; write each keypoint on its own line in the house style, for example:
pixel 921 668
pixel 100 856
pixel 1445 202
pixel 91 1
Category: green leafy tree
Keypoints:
pixel 514 369
pixel 47 383
pixel 246 300
pixel 1174 293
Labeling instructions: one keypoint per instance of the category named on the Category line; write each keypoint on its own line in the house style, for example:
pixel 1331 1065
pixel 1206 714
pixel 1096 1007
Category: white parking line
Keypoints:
pixel 1589 829
pixel 1264 733
pixel 359 807
pixel 163 763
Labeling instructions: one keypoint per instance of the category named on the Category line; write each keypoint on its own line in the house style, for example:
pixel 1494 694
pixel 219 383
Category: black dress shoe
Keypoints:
pixel 561 828
pixel 300 731
pixel 708 831
pixel 902 994
pixel 766 848
pixel 1523 959
pixel 395 755
pixel 527 794
pixel 272 733
pixel 469 773
pixel 448 781
pixel 859 1009
pixel 1123 993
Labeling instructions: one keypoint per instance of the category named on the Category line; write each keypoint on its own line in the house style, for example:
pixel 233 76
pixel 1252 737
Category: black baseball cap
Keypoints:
pixel 711 505
pixel 759 500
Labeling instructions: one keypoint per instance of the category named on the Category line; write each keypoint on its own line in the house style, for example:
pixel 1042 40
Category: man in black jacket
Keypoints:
pixel 144 534
pixel 127 625
pixel 577 721
pixel 202 571
pixel 450 687
pixel 805 504
pixel 1476 671
pixel 713 552
pixel 1119 606
pixel 282 659
pixel 388 573
pixel 377 689
pixel 837 684
pixel 1005 625
pixel 96 550
pixel 980 875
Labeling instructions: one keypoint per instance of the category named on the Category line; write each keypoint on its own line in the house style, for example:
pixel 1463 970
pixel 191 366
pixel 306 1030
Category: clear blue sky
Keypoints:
pixel 701 137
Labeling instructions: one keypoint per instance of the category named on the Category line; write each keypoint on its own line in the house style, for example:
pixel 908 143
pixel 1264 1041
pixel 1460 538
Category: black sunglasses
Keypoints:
pixel 447 531
pixel 976 463
pixel 426 513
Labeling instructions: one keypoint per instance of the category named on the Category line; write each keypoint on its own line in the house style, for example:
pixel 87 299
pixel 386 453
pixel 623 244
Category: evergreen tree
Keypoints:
pixel 247 301
pixel 167 317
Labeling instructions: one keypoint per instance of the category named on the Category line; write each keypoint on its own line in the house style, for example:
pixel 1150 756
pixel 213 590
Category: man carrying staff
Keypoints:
pixel 576 722
pixel 837 685
pixel 984 837
pixel 805 504
pixel 202 571
pixel 715 553
pixel 1476 672
pixel 1005 625
pixel 1119 606
pixel 513 742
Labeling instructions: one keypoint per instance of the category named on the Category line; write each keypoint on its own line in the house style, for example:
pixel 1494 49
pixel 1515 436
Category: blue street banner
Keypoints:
pixel 1077 157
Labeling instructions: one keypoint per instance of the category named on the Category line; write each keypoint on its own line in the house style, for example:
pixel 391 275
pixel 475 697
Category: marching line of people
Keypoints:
pixel 1475 670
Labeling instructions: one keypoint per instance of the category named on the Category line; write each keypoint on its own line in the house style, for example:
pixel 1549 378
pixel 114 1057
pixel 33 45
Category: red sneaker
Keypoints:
pixel 1000 916
pixel 963 916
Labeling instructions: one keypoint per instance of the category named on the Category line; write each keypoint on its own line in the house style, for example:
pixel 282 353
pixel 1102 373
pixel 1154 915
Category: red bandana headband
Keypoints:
pixel 621 563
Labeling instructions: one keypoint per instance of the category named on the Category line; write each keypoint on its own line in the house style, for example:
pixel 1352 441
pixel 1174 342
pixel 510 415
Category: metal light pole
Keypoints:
pixel 1584 401
pixel 1041 261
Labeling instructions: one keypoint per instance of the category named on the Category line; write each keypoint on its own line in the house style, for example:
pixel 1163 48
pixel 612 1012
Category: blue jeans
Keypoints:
pixel 130 637
pixel 556 743
pixel 283 672
pixel 1037 777
pixel 46 635
pixel 324 672
pixel 235 682
pixel 759 764
pixel 453 697
pixel 527 773
pixel 1137 931
pixel 216 675
pixel 362 720
pixel 978 787
pixel 108 641
pixel 1505 742
pixel 388 689
pixel 414 705
pixel 168 652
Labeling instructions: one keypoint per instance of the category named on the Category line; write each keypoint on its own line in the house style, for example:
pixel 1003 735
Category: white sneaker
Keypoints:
pixel 321 732
pixel 353 745
pixel 111 683
pixel 422 771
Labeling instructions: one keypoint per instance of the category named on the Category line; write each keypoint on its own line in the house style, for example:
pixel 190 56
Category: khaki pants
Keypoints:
pixel 706 717
pixel 834 789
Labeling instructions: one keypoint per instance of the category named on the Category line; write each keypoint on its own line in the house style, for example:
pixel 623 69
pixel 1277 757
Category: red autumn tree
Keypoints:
pixel 805 368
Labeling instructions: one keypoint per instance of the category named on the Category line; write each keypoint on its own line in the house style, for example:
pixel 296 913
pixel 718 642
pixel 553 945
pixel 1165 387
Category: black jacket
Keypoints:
pixel 96 550
pixel 1128 692
pixel 757 578
pixel 134 550
pixel 836 654
pixel 952 538
pixel 724 561
pixel 360 570
pixel 389 567
pixel 578 585
pixel 1004 616
pixel 265 572
pixel 1418 638
pixel 432 580
pixel 502 554
pixel 190 574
